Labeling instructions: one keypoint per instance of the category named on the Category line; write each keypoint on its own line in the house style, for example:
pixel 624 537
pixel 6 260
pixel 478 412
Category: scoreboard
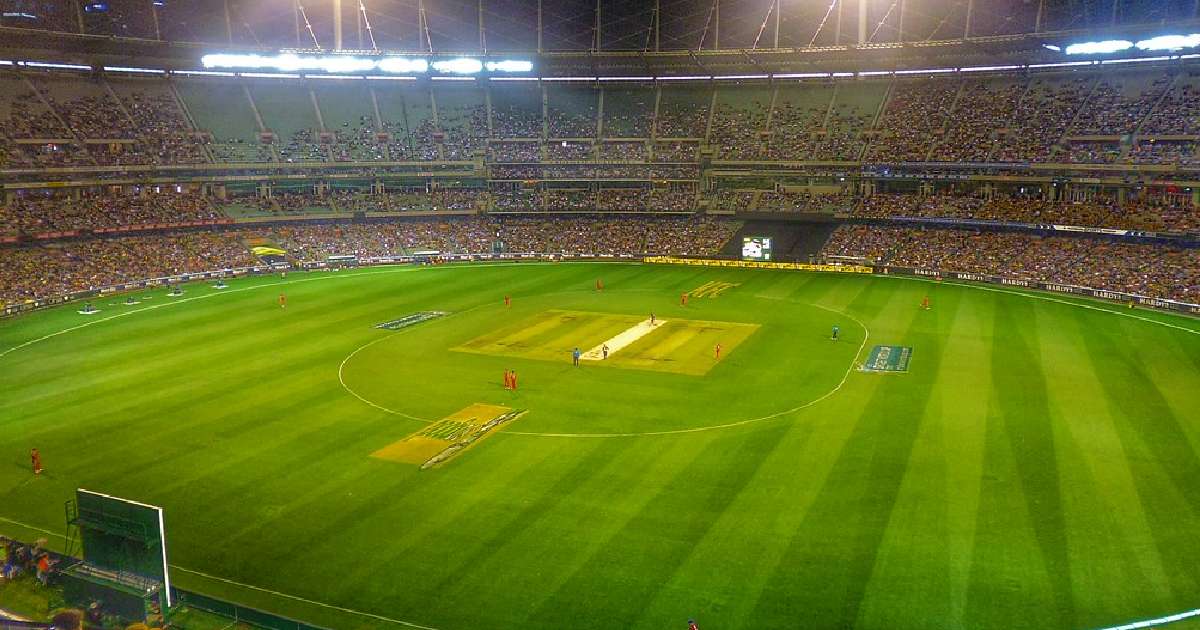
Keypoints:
pixel 756 248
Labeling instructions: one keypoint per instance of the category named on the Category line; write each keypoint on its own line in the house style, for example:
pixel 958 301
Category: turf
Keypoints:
pixel 1036 466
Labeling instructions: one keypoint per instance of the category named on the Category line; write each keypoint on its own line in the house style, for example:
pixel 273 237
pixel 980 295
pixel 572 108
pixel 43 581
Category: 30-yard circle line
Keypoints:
pixel 714 427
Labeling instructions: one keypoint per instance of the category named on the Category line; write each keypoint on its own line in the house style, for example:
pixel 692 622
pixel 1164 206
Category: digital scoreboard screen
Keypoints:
pixel 756 248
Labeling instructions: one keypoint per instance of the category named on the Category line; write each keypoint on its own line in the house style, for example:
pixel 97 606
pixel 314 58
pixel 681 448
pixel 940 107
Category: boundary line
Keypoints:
pixel 1157 621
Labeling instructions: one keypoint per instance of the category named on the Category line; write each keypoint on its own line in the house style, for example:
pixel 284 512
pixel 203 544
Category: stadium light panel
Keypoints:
pixel 1170 42
pixel 741 76
pixel 59 66
pixel 988 68
pixel 685 78
pixel 203 73
pixel 461 65
pixel 509 65
pixel 268 75
pixel 929 71
pixel 1105 47
pixel 514 78
pixel 801 75
pixel 626 78
pixel 137 70
pixel 403 65
pixel 453 78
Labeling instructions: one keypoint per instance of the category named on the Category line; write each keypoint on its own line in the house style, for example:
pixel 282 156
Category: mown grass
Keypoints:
pixel 1036 467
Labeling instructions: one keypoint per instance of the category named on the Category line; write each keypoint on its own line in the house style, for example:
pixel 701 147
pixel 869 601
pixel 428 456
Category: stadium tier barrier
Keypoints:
pixel 1103 294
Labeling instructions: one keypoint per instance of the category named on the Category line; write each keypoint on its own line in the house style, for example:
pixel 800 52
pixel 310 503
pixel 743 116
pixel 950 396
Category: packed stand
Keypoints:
pixel 1133 215
pixel 982 108
pixel 1149 270
pixel 70 266
pixel 1043 116
pixel 736 131
pixel 35 214
pixel 915 115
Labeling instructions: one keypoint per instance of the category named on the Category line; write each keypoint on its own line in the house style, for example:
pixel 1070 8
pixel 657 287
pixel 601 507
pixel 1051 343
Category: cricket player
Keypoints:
pixel 683 299
pixel 599 284
pixel 652 319
pixel 692 625
pixel 604 350
pixel 718 352
pixel 507 379
pixel 925 303
pixel 575 354
pixel 36 459
pixel 836 330
pixel 282 301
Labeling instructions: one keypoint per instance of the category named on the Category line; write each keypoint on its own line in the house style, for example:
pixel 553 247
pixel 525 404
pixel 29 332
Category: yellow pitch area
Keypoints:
pixel 419 447
pixel 682 346
pixel 551 335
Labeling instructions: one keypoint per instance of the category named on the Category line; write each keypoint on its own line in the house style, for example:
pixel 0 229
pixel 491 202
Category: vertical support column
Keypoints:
pixel 545 111
pixel 658 22
pixel 862 21
pixel 228 24
pixel 1037 24
pixel 596 30
pixel 837 25
pixel 717 24
pixel 337 24
pixel 296 19
pixel 971 14
pixel 778 9
pixel 154 18
pixel 900 26
pixel 1115 7
pixel 600 116
pixel 539 28
pixel 482 32
pixel 79 15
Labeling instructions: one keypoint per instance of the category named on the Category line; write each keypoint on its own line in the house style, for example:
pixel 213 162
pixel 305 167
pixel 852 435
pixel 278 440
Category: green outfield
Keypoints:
pixel 1037 465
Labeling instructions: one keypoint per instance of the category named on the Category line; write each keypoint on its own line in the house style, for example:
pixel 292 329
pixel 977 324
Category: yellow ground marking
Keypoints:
pixel 712 289
pixel 422 445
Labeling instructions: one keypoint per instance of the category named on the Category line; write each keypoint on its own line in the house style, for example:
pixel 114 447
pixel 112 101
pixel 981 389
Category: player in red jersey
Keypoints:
pixel 925 303
pixel 282 301
pixel 683 297
pixel 513 379
pixel 36 459
pixel 507 301
pixel 599 284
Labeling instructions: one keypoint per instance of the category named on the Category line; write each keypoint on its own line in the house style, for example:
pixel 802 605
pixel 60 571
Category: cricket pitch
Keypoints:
pixel 681 346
